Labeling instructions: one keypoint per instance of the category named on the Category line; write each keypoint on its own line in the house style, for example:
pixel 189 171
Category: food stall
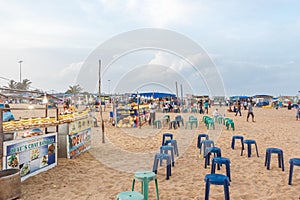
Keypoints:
pixel 74 134
pixel 28 145
pixel 129 116
pixel 33 145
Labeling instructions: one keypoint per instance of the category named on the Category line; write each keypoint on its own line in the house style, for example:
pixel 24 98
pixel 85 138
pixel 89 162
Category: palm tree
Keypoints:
pixel 24 85
pixel 74 90
pixel 11 85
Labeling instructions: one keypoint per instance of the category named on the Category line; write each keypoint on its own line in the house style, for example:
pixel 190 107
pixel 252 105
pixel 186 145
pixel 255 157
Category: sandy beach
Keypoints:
pixel 107 169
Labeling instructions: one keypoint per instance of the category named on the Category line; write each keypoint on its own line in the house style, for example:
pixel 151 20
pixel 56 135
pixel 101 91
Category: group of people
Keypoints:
pixel 238 107
pixel 203 106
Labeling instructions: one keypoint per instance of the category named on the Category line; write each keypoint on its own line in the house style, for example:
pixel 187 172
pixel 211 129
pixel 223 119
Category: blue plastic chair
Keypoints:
pixel 249 143
pixel 217 179
pixel 166 149
pixel 269 151
pixel 237 137
pixel 166 135
pixel 159 157
pixel 174 144
pixel 219 161
pixel 201 135
pixel 296 162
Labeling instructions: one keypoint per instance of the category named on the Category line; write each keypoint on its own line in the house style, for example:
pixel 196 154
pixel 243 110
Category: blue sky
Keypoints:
pixel 254 44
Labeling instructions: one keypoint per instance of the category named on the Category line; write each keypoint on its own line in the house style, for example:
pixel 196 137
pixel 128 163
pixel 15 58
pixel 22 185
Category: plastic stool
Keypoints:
pixel 179 119
pixel 159 157
pixel 269 151
pixel 215 150
pixel 219 161
pixel 249 142
pixel 165 149
pixel 206 144
pixel 130 195
pixel 173 124
pixel 174 144
pixel 293 161
pixel 170 135
pixel 201 135
pixel 193 110
pixel 217 179
pixel 210 123
pixel 219 119
pixel 157 124
pixel 229 123
pixel 205 117
pixel 145 177
pixel 237 137
pixel 191 122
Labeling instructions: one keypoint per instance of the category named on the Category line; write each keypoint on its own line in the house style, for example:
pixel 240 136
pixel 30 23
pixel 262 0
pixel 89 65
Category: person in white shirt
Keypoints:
pixel 250 111
pixel 152 113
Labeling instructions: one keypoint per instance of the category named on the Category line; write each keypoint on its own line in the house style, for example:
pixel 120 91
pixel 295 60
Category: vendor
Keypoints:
pixel 7 115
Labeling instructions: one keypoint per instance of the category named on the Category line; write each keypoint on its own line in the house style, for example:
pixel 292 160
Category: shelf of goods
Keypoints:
pixel 129 117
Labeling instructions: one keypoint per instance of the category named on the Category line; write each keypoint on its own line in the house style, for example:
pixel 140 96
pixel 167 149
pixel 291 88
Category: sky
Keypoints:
pixel 253 45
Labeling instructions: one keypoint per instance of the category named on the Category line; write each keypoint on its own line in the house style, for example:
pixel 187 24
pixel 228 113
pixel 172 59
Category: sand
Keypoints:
pixel 107 169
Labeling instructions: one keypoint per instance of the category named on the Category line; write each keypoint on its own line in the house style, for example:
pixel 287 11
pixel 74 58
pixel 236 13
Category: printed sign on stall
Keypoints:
pixel 31 155
pixel 78 143
pixel 80 125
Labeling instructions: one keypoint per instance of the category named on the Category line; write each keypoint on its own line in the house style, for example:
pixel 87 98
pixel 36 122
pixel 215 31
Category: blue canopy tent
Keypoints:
pixel 155 94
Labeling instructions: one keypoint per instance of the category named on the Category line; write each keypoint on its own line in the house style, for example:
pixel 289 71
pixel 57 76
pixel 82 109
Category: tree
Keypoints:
pixel 74 90
pixel 24 85
pixel 11 84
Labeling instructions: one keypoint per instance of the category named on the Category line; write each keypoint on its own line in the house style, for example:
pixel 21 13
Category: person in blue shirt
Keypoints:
pixel 7 115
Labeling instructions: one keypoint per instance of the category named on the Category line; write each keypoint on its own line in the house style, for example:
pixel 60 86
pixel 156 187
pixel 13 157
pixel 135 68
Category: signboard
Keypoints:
pixel 78 143
pixel 80 125
pixel 31 155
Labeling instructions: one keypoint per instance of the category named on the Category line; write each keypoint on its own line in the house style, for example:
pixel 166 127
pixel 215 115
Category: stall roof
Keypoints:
pixel 262 96
pixel 156 94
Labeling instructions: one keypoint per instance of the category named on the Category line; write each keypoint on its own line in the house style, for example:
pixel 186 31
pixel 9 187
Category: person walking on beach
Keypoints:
pixel 298 111
pixel 239 106
pixel 200 107
pixel 245 105
pixel 250 111
pixel 206 104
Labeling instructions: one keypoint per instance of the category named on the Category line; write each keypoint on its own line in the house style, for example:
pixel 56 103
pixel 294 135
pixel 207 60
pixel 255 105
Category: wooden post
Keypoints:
pixel 46 115
pixel 1 137
pixel 56 120
pixel 182 101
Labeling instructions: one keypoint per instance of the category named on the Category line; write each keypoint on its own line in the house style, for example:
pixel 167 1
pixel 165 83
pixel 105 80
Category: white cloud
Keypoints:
pixel 71 71
pixel 152 13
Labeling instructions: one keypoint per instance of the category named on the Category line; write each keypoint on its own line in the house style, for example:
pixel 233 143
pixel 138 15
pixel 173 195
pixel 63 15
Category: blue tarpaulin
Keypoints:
pixel 156 94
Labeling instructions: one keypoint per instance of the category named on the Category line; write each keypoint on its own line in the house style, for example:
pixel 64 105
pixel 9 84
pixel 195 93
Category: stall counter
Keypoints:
pixel 31 155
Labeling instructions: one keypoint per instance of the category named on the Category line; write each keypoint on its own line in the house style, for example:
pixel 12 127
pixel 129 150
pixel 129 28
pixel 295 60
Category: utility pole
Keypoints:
pixel 20 70
pixel 100 106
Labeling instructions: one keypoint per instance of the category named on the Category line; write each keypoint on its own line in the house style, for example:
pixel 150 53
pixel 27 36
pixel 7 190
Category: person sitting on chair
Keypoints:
pixel 7 115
